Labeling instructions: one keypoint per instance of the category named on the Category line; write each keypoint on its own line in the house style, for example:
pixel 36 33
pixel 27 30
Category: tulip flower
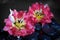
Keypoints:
pixel 40 13
pixel 17 24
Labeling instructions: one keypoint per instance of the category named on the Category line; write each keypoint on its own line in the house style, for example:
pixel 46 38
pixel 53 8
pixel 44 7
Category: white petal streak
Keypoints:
pixel 45 5
pixel 11 17
pixel 40 11
pixel 11 12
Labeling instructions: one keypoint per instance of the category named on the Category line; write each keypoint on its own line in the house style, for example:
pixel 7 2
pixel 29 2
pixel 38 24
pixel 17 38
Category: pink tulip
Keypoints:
pixel 40 13
pixel 17 24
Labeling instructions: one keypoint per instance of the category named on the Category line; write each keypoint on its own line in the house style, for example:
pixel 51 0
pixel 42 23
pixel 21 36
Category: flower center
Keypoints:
pixel 20 24
pixel 38 15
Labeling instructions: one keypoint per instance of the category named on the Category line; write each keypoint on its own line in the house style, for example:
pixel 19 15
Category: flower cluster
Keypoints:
pixel 21 23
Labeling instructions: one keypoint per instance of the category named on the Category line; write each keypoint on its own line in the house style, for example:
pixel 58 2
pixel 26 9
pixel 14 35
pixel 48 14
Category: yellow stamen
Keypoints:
pixel 19 24
pixel 38 15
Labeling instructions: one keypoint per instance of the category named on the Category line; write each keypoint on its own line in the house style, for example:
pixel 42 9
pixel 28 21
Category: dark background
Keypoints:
pixel 5 5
